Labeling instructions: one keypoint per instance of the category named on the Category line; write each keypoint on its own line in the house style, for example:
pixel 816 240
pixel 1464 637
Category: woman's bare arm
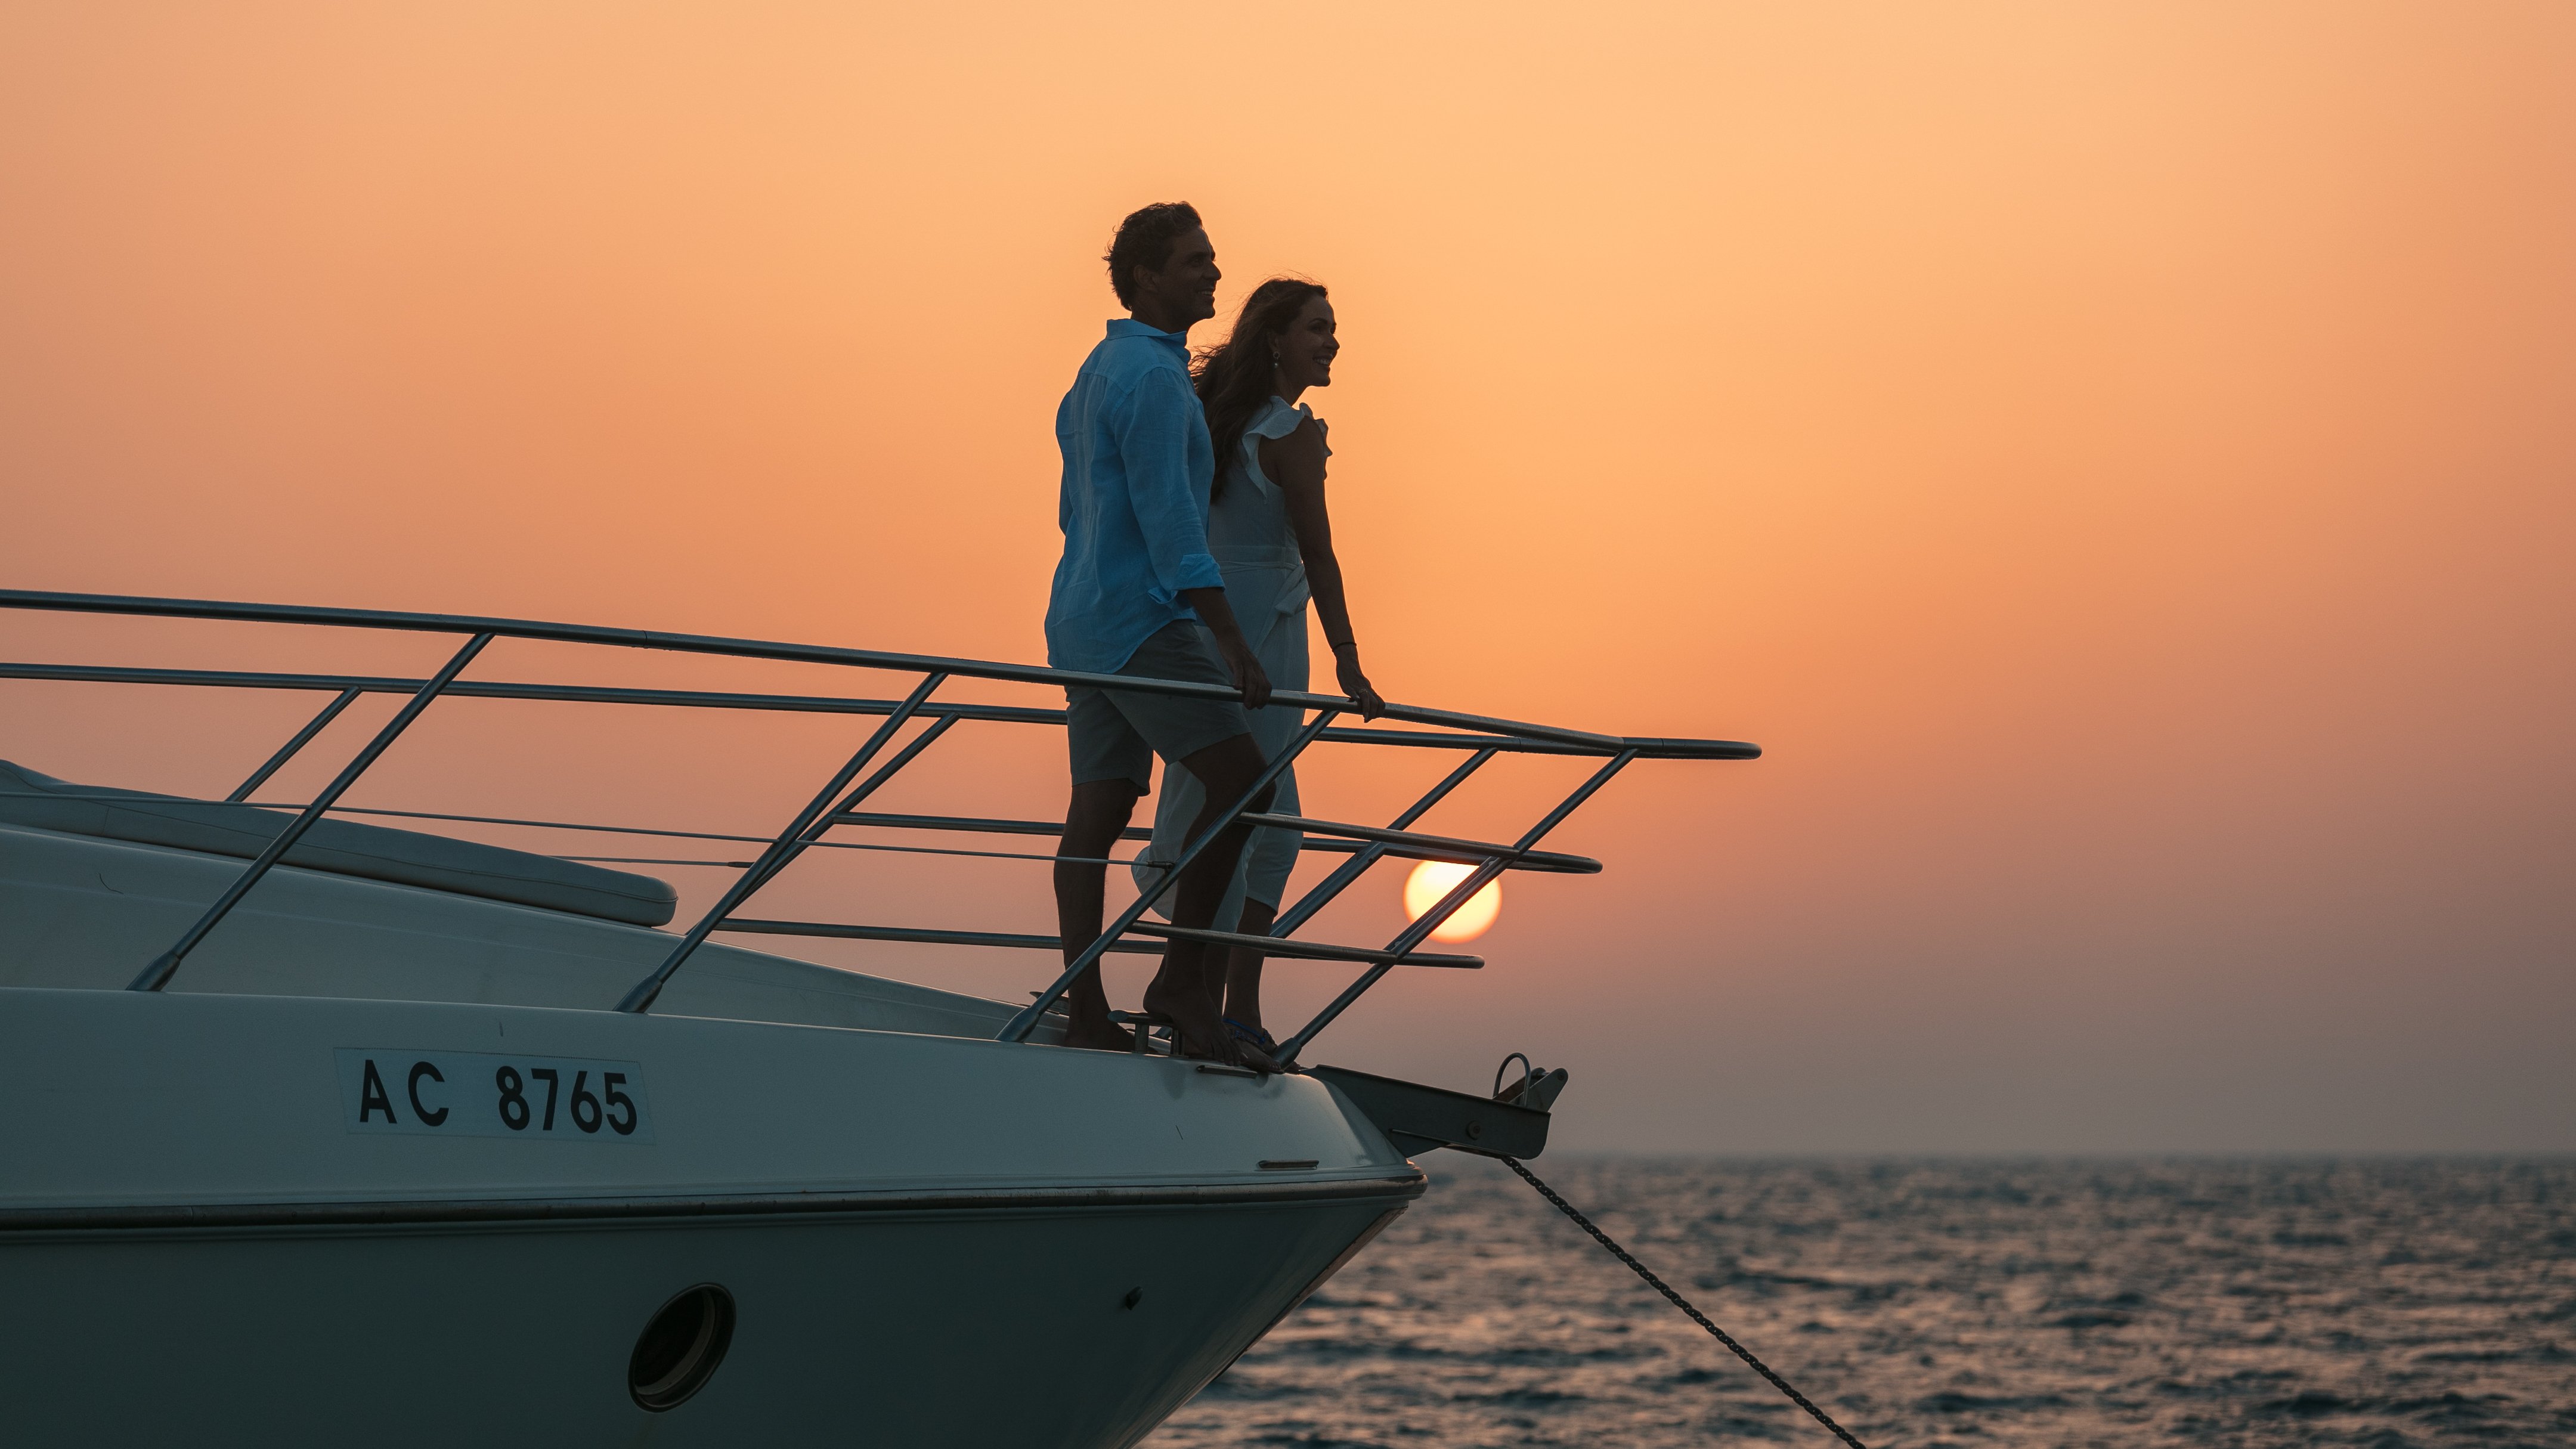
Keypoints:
pixel 1296 463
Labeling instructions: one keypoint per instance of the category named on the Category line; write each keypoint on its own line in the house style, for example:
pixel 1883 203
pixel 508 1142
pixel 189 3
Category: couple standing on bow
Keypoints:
pixel 1194 533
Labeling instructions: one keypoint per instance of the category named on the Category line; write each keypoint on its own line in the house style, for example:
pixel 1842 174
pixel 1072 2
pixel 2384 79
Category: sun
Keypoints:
pixel 1436 878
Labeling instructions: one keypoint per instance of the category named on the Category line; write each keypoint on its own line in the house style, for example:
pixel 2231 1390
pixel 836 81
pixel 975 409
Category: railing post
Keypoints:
pixel 808 825
pixel 868 786
pixel 1350 870
pixel 1420 931
pixel 158 974
pixel 1027 1020
pixel 302 738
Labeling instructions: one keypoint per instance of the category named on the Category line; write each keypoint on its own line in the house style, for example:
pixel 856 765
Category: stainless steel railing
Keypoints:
pixel 835 805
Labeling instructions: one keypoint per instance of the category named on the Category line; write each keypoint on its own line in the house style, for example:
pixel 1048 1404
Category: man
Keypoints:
pixel 1136 571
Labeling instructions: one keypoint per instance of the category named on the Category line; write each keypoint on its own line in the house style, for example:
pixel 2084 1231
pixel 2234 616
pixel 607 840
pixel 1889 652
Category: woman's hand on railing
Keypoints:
pixel 1355 681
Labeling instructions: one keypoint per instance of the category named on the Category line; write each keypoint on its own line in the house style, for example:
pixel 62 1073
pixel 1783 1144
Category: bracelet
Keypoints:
pixel 1341 644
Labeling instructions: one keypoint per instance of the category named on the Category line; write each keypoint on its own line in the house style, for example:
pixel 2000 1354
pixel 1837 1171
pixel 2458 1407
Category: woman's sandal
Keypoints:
pixel 1253 1036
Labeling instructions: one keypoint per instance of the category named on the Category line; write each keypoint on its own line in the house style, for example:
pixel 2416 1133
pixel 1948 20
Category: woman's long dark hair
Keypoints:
pixel 1235 377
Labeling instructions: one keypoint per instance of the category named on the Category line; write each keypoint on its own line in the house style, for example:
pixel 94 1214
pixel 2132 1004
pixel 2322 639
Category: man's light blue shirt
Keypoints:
pixel 1137 468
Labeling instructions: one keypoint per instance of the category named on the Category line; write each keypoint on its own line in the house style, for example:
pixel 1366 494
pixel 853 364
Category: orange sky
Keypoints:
pixel 2115 458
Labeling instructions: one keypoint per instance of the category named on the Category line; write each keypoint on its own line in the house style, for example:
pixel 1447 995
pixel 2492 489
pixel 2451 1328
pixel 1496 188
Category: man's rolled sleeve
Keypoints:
pixel 1154 443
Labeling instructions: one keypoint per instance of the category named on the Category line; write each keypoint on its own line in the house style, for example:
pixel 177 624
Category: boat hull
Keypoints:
pixel 1029 1325
pixel 927 1240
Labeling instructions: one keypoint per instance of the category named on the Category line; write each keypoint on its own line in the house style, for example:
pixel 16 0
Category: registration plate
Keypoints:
pixel 482 1094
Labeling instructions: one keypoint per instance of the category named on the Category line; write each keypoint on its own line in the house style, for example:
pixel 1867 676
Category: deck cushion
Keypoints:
pixel 408 857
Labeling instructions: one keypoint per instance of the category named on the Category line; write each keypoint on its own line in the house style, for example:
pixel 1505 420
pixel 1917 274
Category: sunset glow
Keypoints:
pixel 1433 879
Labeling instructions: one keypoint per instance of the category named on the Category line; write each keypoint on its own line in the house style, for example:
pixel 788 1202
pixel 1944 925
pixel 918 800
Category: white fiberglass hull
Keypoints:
pixel 929 1240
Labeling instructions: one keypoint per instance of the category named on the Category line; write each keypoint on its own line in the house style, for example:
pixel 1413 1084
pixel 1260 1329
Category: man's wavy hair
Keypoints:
pixel 1235 377
pixel 1145 239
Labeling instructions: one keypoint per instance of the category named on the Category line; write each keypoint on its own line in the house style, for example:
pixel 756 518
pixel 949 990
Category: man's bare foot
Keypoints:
pixel 1097 1033
pixel 1197 1031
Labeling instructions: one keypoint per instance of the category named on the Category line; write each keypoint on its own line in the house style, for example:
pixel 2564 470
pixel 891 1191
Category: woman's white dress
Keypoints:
pixel 1265 585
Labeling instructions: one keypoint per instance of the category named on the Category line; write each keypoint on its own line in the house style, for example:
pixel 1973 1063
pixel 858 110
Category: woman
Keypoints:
pixel 1273 540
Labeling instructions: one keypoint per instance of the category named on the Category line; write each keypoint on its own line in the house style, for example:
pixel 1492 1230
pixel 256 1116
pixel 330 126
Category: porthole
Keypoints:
pixel 681 1347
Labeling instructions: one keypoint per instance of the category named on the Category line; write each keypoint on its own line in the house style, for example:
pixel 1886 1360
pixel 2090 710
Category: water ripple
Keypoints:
pixel 2008 1305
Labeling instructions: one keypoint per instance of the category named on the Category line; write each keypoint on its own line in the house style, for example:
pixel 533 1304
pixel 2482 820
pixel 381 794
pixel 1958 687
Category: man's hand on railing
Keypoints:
pixel 1218 615
pixel 1248 675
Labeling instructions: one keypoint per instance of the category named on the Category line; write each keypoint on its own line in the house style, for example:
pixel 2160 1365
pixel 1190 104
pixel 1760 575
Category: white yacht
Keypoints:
pixel 314 1130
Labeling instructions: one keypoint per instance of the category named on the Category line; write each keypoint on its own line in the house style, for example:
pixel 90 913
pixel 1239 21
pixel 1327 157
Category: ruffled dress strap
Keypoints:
pixel 1277 419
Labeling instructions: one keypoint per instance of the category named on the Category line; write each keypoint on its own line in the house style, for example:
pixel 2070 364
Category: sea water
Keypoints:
pixel 2366 1302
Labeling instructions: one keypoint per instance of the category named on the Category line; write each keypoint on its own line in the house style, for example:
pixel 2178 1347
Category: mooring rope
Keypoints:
pixel 1684 1304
